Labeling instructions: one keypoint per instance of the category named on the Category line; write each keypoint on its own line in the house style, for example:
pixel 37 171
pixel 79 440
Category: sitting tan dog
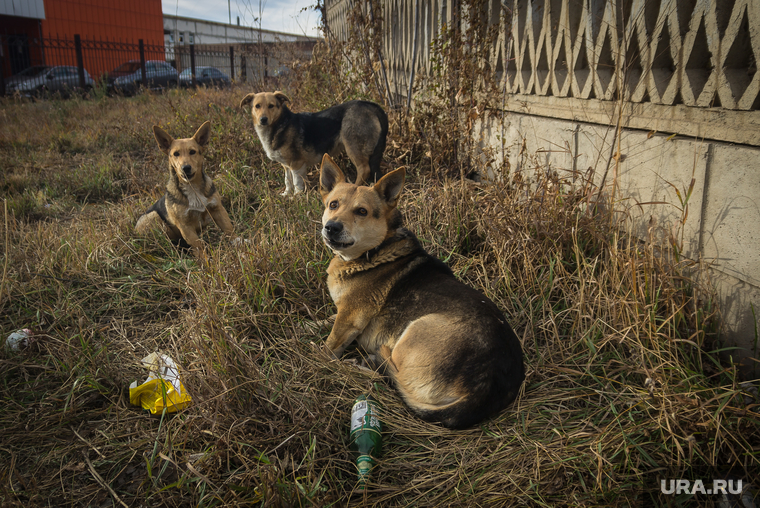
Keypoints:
pixel 449 350
pixel 191 200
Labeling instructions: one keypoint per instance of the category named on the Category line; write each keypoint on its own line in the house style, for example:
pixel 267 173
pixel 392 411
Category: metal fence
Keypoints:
pixel 94 59
pixel 76 63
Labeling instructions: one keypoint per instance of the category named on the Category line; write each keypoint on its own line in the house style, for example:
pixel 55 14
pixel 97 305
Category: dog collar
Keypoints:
pixel 401 234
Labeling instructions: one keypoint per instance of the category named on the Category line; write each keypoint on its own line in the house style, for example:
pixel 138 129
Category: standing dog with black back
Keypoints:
pixel 299 140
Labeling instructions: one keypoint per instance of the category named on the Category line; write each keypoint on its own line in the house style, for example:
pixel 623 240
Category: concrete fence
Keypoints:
pixel 679 77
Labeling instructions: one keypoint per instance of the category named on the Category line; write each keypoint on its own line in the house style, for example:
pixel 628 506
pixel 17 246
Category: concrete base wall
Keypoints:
pixel 722 210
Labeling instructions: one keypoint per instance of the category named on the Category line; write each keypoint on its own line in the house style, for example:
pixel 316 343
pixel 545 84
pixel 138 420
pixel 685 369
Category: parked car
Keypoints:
pixel 41 80
pixel 127 78
pixel 29 72
pixel 206 76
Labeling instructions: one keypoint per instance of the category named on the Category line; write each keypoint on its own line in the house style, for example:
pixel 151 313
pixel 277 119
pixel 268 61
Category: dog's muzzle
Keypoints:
pixel 263 120
pixel 335 237
pixel 187 169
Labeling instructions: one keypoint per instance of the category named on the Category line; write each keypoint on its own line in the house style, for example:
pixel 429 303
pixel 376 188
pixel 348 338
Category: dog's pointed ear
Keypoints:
pixel 203 134
pixel 163 139
pixel 389 187
pixel 330 175
pixel 247 99
pixel 281 97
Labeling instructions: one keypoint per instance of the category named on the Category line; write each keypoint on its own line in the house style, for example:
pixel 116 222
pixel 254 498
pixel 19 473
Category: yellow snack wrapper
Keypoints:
pixel 162 389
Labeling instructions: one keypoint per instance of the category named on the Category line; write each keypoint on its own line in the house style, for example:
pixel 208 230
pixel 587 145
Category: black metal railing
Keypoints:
pixel 30 66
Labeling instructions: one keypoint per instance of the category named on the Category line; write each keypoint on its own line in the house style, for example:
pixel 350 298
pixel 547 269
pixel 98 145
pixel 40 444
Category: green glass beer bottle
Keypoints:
pixel 366 435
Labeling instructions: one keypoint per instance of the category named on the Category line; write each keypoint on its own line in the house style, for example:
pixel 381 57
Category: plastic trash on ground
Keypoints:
pixel 19 339
pixel 162 389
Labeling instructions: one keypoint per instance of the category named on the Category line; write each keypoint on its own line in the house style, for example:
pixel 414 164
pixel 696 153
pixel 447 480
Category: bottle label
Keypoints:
pixel 357 414
pixel 365 416
pixel 364 465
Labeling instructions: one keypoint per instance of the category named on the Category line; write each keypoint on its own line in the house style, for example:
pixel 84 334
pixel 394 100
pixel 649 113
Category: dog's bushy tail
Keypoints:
pixel 477 407
pixel 377 154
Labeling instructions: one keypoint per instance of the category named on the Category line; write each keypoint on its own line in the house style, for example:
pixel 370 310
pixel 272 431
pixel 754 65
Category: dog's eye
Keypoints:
pixel 192 152
pixel 333 205
pixel 258 106
pixel 176 154
pixel 271 106
pixel 362 212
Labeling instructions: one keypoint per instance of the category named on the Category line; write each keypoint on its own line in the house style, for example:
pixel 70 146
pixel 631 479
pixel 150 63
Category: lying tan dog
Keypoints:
pixel 298 140
pixel 191 200
pixel 449 350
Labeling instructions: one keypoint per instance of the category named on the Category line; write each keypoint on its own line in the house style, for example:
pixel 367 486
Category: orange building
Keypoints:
pixel 41 32
pixel 114 20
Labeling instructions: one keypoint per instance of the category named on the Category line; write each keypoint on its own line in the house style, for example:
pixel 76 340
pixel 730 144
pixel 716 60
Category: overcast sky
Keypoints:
pixel 280 15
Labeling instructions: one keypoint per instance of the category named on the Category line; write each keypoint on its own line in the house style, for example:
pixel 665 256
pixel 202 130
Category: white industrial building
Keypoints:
pixel 180 31
pixel 245 53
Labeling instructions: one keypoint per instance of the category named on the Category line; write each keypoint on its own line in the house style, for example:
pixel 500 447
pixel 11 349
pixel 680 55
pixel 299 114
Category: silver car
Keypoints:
pixel 29 72
pixel 63 79
pixel 204 75
pixel 127 78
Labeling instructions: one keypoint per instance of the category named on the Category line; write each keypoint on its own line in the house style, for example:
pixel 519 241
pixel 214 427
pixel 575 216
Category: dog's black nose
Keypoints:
pixel 333 227
pixel 263 120
pixel 188 170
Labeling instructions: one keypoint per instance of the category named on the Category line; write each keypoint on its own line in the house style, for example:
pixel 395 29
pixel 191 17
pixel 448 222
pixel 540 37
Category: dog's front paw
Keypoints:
pixel 358 365
pixel 329 352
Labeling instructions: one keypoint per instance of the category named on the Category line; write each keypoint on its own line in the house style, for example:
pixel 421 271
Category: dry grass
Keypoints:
pixel 622 382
